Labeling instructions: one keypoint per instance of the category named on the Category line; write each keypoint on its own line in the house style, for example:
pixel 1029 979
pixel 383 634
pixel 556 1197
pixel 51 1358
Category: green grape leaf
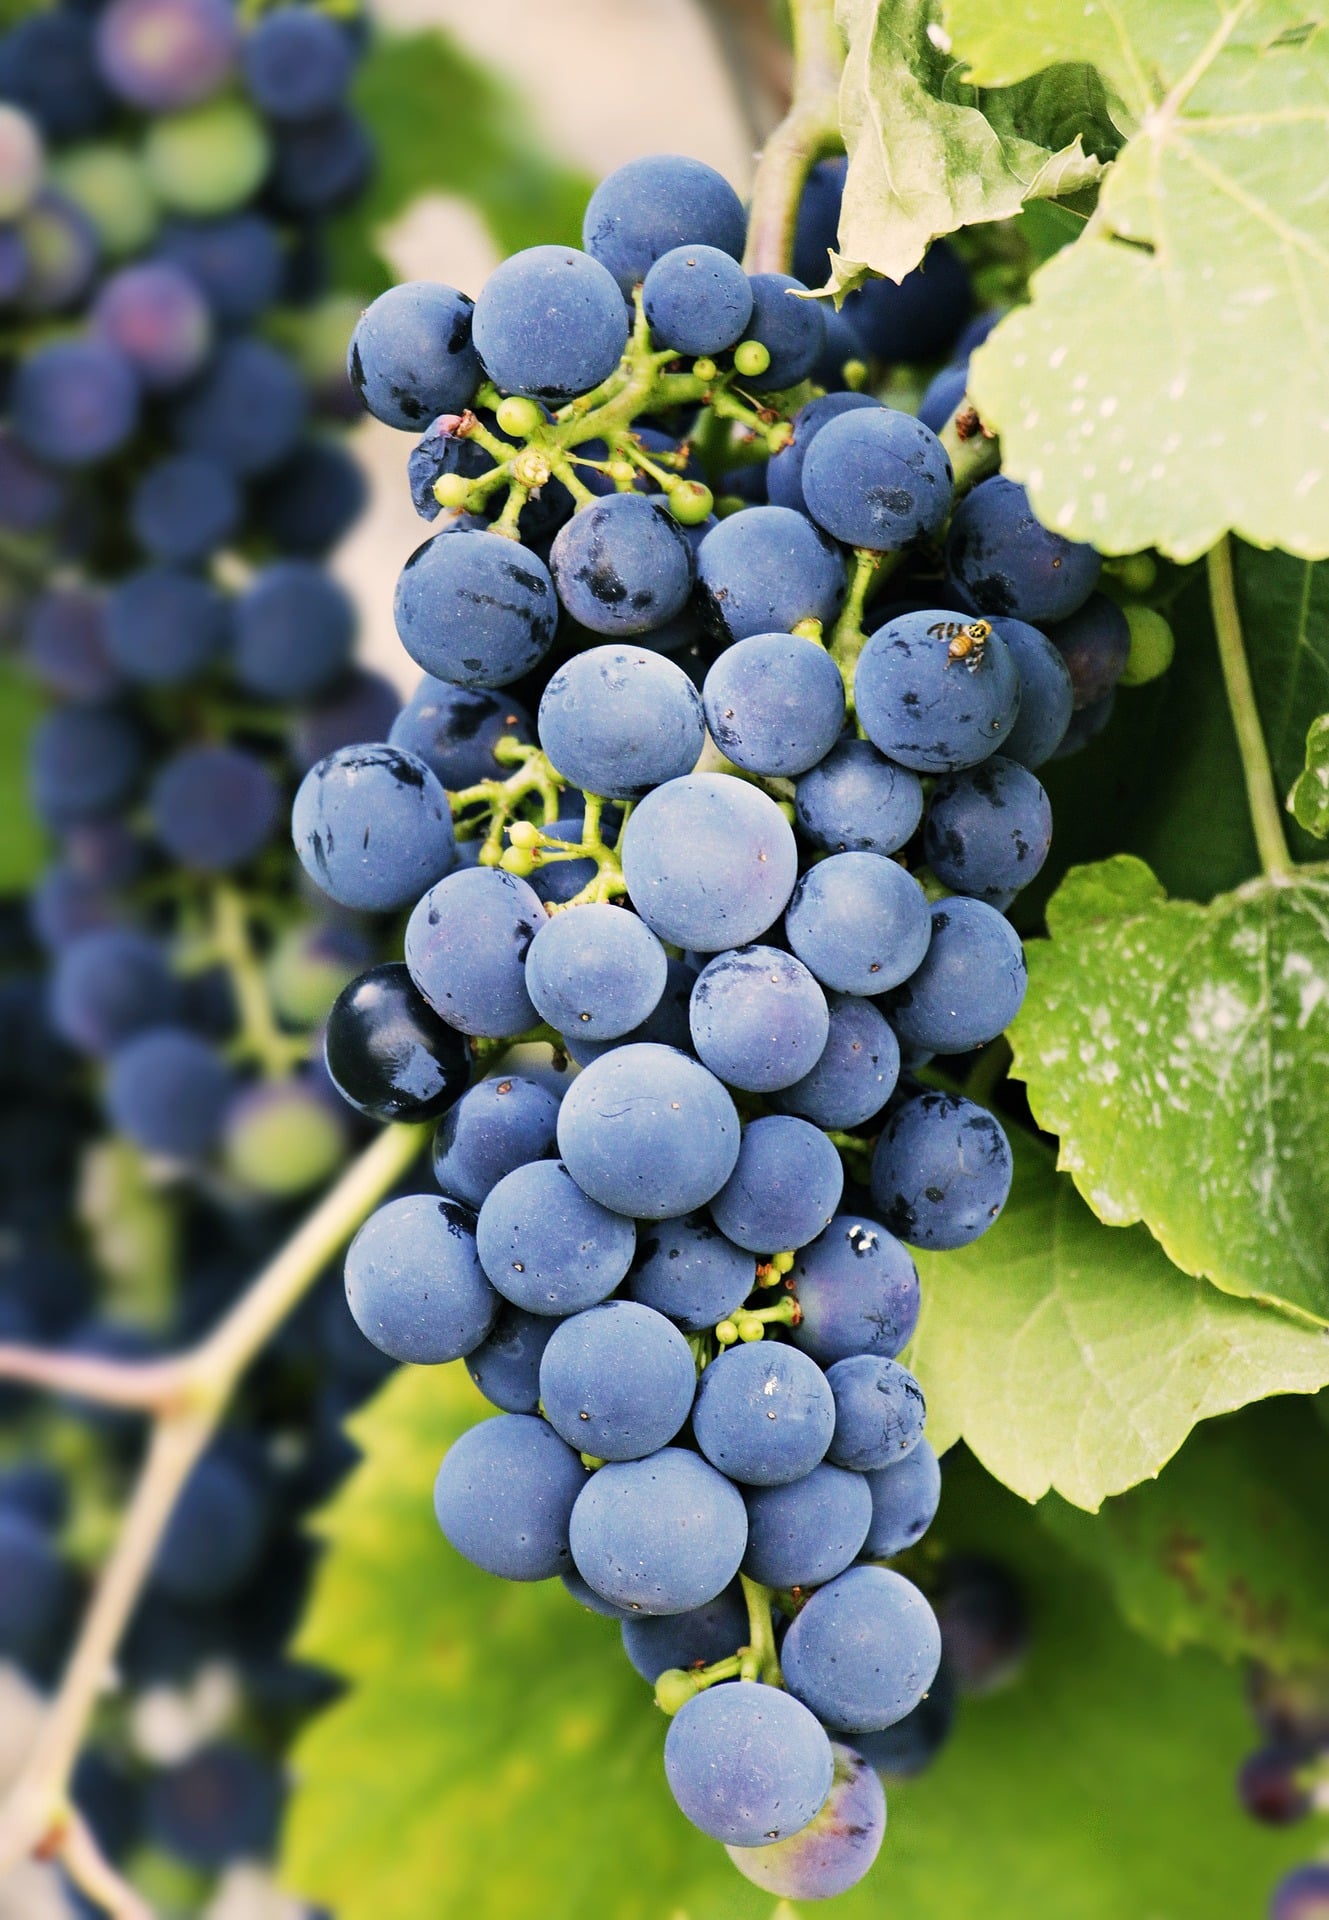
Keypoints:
pixel 494 1754
pixel 1181 1055
pixel 442 123
pixel 1308 801
pixel 929 154
pixel 1227 1549
pixel 1074 1358
pixel 1208 250
pixel 22 843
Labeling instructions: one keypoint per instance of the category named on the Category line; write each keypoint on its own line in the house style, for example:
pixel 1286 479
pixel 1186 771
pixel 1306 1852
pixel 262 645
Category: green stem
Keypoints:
pixel 810 129
pixel 761 1633
pixel 1261 795
pixel 973 452
pixel 847 637
pixel 189 1396
pixel 260 1039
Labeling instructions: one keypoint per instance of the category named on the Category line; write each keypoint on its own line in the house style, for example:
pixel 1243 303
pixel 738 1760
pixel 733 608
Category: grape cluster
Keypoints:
pixel 173 481
pixel 186 1764
pixel 745 872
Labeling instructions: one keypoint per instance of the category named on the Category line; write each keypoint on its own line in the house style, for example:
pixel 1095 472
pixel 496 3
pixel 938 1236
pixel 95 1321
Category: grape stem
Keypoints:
pixel 1261 794
pixel 187 1397
pixel 810 130
pixel 763 1659
pixel 260 1038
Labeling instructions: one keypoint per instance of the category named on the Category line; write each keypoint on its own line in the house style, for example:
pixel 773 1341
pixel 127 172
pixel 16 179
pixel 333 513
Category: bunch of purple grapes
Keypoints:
pixel 171 483
pixel 744 875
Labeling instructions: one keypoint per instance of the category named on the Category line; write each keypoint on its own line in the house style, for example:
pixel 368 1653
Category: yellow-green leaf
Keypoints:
pixel 1073 1357
pixel 929 154
pixel 1181 1055
pixel 1170 378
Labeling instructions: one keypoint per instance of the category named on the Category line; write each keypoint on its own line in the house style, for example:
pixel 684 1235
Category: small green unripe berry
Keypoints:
pixel 705 368
pixel 726 1333
pixel 750 1329
pixel 622 472
pixel 673 1689
pixel 453 490
pixel 523 834
pixel 490 855
pixel 690 502
pixel 751 358
pixel 727 503
pixel 1137 572
pixel 519 417
pixel 518 860
pixel 855 374
pixel 1152 647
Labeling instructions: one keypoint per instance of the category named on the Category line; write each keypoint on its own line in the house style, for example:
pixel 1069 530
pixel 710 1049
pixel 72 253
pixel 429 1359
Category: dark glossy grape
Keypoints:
pixel 764 571
pixel 550 322
pixel 504 1497
pixel 941 1171
pixel 389 1054
pixel 747 1763
pixel 698 300
pixel 411 355
pixel 645 209
pixel 414 1283
pixel 475 609
pixel 792 329
pixel 454 730
pixel 858 1289
pixel 372 827
pixel 970 985
pixel 1005 562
